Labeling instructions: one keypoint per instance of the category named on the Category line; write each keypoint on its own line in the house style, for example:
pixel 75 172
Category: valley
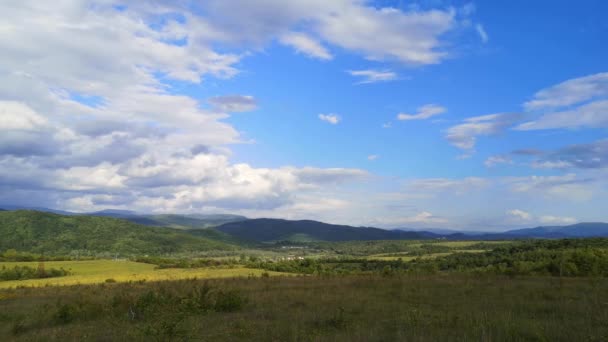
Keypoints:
pixel 167 283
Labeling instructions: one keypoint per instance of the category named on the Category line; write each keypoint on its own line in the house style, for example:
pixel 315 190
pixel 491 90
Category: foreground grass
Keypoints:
pixel 100 271
pixel 354 308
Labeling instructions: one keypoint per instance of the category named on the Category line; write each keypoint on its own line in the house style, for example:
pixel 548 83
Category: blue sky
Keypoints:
pixel 453 114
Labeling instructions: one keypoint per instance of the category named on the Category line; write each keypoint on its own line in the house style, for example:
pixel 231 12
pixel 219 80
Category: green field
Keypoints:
pixel 341 308
pixel 98 271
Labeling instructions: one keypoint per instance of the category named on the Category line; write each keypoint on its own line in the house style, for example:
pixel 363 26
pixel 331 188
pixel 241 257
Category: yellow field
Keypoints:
pixel 98 271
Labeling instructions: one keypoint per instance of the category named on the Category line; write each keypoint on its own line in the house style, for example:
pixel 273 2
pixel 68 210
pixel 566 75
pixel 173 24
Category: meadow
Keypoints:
pixel 536 290
pixel 334 308
pixel 101 271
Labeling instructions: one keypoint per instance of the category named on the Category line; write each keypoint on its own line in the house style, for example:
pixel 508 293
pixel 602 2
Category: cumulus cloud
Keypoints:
pixel 333 119
pixel 464 135
pixel 378 33
pixel 18 116
pixel 579 102
pixel 424 112
pixel 234 103
pixel 88 116
pixel 373 76
pixel 373 157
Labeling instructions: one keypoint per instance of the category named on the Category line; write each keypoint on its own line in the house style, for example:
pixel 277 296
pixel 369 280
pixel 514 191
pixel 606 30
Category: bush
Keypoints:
pixel 64 314
pixel 229 301
pixel 26 272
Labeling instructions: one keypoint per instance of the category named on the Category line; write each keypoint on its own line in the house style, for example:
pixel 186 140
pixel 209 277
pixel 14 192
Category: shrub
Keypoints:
pixel 64 314
pixel 229 301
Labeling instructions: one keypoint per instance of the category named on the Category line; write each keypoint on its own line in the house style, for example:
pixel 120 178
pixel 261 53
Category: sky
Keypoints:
pixel 483 115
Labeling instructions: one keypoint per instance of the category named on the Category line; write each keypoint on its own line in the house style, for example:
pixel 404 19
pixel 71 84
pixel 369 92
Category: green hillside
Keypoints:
pixel 183 221
pixel 48 233
pixel 267 230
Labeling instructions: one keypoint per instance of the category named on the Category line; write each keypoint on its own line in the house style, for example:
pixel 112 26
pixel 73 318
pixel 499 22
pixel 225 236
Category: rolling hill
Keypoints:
pixel 50 233
pixel 267 230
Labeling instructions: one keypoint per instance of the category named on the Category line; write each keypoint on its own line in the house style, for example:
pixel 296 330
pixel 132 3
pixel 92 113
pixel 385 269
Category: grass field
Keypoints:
pixel 405 258
pixel 352 308
pixel 98 271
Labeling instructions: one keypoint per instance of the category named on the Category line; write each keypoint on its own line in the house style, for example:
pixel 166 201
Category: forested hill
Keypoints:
pixel 49 233
pixel 265 230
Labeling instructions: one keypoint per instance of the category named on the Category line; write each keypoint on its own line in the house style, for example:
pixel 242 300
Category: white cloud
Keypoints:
pixel 548 219
pixel 520 214
pixel 570 92
pixel 234 103
pixel 483 35
pixel 373 76
pixel 568 186
pixel 89 117
pixel 412 37
pixel 464 135
pixel 18 116
pixel 373 157
pixel 579 102
pixel 593 115
pixel 303 43
pixel 438 185
pixel 424 218
pixel 527 218
pixel 495 160
pixel 388 33
pixel 424 112
pixel 387 125
pixel 331 118
pixel 546 164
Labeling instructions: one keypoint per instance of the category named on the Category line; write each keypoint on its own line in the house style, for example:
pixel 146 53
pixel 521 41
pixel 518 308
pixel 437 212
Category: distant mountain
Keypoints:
pixel 585 229
pixel 42 209
pixel 177 221
pixel 267 230
pixel 440 231
pixel 50 233
pixel 116 213
pixel 236 229
pixel 184 221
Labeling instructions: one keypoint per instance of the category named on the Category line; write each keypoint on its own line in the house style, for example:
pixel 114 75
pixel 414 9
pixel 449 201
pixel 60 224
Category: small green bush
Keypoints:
pixel 229 301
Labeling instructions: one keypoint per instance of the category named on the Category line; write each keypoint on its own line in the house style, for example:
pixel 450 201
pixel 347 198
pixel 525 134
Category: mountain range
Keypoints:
pixel 239 230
